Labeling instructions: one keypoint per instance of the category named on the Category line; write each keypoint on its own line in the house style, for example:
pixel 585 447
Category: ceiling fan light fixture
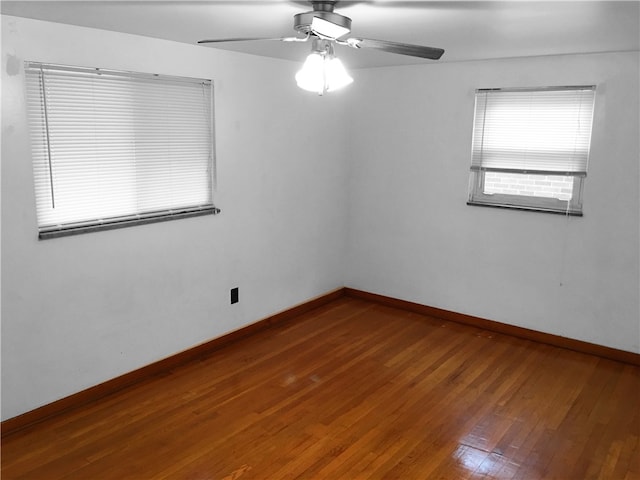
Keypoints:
pixel 326 29
pixel 322 72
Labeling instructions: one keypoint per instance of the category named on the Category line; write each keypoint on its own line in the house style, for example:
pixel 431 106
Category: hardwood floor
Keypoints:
pixel 354 390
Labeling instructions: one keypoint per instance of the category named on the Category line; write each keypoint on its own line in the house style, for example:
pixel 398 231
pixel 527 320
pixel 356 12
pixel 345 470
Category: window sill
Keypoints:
pixel 572 213
pixel 65 231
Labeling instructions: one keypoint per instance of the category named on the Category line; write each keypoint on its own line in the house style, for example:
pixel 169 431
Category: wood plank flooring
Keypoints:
pixel 354 390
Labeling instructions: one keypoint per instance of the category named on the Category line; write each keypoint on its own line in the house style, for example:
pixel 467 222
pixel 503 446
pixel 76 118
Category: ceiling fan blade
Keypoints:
pixel 396 47
pixel 253 39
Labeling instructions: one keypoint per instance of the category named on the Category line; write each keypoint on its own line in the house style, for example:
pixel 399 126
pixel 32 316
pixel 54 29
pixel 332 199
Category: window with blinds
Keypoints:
pixel 113 149
pixel 530 148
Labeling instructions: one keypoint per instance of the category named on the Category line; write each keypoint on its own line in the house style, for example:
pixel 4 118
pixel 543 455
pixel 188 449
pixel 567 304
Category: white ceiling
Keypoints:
pixel 467 30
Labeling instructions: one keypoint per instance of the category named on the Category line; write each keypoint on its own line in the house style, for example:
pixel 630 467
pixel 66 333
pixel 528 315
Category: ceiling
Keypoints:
pixel 467 30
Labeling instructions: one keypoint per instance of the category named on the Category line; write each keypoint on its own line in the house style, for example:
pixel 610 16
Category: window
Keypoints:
pixel 530 148
pixel 112 149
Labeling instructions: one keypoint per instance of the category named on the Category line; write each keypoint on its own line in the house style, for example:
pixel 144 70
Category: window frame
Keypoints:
pixel 477 196
pixel 177 208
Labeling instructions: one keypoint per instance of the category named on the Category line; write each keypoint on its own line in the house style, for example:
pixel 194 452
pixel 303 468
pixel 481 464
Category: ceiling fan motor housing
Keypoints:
pixel 323 10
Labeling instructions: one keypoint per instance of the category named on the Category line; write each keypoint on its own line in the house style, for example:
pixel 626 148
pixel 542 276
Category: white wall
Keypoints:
pixel 412 236
pixel 80 310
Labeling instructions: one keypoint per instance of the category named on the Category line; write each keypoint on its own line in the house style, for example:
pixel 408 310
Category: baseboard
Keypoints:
pixel 520 332
pixel 109 387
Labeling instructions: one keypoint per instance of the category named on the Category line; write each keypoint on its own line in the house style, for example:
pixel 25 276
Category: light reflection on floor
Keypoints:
pixel 483 464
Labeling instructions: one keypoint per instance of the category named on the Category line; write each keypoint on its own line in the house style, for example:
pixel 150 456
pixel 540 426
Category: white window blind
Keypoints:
pixel 545 131
pixel 113 148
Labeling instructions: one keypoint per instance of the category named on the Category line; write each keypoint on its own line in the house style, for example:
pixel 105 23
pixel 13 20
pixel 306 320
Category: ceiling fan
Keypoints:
pixel 323 72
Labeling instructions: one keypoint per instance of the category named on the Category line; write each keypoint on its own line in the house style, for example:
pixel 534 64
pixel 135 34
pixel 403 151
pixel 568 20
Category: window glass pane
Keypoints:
pixel 549 186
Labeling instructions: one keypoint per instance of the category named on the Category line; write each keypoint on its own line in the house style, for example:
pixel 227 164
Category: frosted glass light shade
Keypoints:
pixel 322 73
pixel 336 74
pixel 311 76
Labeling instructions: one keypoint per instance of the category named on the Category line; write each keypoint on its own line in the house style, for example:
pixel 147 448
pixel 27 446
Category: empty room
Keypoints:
pixel 286 239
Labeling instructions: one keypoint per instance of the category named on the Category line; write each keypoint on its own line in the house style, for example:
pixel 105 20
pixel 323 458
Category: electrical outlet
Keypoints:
pixel 234 295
